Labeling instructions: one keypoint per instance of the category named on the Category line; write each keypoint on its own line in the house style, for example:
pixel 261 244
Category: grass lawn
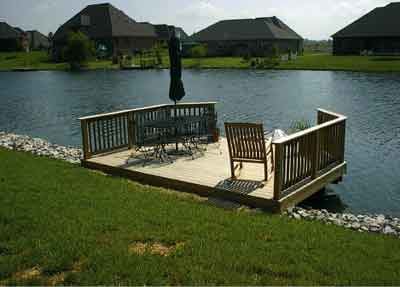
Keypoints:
pixel 35 60
pixel 62 224
pixel 345 63
pixel 39 60
pixel 308 62
pixel 217 62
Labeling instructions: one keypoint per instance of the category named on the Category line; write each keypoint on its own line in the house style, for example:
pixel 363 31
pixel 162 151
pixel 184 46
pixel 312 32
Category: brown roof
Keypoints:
pixel 8 32
pixel 105 21
pixel 163 31
pixel 380 22
pixel 246 29
pixel 182 33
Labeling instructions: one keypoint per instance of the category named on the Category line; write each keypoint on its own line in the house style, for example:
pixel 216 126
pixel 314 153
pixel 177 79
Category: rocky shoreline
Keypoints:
pixel 40 147
pixel 377 223
pixel 362 223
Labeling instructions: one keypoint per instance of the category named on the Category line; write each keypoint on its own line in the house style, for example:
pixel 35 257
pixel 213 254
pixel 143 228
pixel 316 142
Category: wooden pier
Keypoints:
pixel 304 162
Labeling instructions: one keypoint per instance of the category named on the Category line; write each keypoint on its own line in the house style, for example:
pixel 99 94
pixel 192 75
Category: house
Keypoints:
pixel 257 37
pixel 37 41
pixel 16 39
pixel 10 38
pixel 164 33
pixel 377 32
pixel 181 34
pixel 109 28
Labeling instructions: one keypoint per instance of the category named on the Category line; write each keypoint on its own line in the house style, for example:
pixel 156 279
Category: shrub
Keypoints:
pixel 79 49
pixel 199 51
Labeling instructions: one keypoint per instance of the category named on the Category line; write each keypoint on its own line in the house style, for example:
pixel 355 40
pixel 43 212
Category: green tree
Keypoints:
pixel 79 49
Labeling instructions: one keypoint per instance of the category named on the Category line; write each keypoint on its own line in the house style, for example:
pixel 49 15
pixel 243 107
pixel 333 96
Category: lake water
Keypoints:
pixel 47 105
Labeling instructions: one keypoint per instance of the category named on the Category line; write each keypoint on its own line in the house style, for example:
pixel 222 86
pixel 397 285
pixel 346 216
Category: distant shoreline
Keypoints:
pixel 39 61
pixel 21 70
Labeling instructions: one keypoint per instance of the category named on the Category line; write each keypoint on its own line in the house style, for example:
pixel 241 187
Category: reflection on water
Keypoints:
pixel 47 104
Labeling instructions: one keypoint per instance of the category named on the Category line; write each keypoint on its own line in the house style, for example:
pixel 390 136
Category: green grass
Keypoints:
pixel 344 63
pixel 41 61
pixel 217 62
pixel 306 62
pixel 54 215
pixel 34 60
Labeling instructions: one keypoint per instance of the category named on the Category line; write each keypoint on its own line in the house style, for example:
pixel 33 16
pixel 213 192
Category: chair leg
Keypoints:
pixel 266 170
pixel 272 158
pixel 232 169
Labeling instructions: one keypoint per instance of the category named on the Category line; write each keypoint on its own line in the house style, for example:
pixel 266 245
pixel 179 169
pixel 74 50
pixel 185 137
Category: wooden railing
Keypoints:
pixel 115 131
pixel 303 156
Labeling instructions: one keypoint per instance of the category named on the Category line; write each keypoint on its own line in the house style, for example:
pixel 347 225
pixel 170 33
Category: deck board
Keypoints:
pixel 210 169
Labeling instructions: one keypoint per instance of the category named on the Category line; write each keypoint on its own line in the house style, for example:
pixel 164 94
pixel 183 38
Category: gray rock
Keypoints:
pixel 389 230
pixel 40 147
pixel 296 216
pixel 374 229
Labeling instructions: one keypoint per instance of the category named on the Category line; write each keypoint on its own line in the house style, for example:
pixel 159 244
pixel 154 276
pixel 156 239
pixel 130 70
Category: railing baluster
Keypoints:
pixel 85 147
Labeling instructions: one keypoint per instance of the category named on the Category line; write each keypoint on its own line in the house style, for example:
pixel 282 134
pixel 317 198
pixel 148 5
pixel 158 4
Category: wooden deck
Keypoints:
pixel 206 174
pixel 304 162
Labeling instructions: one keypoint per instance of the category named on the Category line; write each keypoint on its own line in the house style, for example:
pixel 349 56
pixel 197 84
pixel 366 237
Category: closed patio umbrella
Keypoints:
pixel 176 89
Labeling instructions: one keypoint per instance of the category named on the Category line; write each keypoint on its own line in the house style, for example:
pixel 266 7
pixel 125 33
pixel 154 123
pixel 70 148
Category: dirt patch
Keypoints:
pixel 27 274
pixel 36 272
pixel 154 248
pixel 57 279
pixel 77 266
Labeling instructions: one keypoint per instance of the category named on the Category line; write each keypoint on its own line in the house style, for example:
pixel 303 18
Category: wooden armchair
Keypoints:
pixel 246 143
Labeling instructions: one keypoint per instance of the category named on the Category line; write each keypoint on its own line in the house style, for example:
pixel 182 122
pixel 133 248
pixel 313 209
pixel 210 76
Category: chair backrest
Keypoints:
pixel 246 141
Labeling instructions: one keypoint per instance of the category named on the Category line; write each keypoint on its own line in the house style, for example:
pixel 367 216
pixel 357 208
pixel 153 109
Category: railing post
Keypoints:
pixel 319 117
pixel 213 119
pixel 342 141
pixel 315 154
pixel 278 171
pixel 85 139
pixel 131 127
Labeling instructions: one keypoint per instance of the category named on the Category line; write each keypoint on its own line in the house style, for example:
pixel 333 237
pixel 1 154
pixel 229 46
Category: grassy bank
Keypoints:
pixel 41 61
pixel 61 224
pixel 344 63
pixel 308 62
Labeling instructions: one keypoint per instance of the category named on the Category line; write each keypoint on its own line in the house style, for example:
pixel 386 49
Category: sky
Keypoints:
pixel 312 19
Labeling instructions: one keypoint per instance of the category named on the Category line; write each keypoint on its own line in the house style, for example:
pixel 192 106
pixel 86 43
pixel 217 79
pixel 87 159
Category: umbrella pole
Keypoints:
pixel 176 129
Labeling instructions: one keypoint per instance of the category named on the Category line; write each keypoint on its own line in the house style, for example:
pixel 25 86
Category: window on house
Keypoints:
pixel 85 20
